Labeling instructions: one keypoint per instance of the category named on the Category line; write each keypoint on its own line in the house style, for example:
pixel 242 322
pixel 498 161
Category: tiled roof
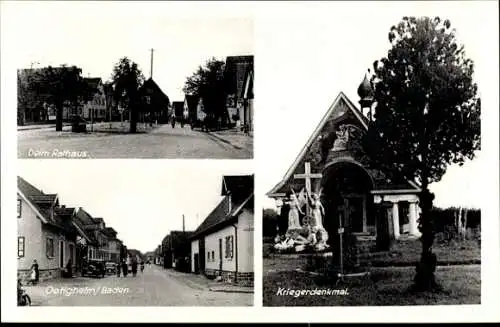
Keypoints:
pixel 219 215
pixel 236 71
pixel 44 203
pixel 151 86
pixel 239 185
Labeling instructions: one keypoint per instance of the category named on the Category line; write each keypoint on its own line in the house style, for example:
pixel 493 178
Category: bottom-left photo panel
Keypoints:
pixel 135 233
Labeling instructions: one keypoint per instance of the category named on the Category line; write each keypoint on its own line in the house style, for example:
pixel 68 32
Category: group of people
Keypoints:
pixel 123 268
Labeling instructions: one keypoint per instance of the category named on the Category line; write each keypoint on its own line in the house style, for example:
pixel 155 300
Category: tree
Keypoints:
pixel 127 79
pixel 208 83
pixel 427 115
pixel 58 86
pixel 269 222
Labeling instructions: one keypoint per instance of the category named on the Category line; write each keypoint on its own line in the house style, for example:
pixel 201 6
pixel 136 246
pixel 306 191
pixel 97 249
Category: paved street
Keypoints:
pixel 162 141
pixel 156 287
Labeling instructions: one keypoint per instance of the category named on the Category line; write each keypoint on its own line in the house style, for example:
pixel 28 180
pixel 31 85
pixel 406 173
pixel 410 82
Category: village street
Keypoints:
pixel 155 287
pixel 161 141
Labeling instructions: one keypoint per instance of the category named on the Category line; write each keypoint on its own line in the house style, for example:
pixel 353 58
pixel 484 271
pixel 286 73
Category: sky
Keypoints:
pixel 309 55
pixel 141 203
pixel 94 36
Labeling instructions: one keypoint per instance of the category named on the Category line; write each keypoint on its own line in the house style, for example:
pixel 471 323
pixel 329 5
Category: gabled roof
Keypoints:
pixel 45 206
pixel 341 98
pixel 236 70
pixel 238 193
pixel 219 215
pixel 151 86
pixel 239 185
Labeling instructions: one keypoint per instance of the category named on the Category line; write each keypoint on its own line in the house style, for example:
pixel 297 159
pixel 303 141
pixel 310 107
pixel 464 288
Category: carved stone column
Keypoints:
pixel 395 219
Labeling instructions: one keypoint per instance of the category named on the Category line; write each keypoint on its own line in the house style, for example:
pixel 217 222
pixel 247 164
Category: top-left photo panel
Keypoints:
pixel 130 80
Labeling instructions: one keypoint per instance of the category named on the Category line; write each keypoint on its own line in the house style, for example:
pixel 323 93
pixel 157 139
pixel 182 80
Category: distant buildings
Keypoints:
pixel 238 74
pixel 223 244
pixel 155 103
pixel 56 236
pixel 95 108
pixel 176 249
pixel 238 92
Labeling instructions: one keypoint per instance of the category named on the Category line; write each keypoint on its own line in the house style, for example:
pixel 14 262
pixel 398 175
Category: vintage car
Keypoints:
pixel 94 268
pixel 111 268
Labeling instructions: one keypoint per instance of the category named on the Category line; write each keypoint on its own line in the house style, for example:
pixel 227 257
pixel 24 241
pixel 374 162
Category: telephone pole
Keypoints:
pixel 183 224
pixel 151 73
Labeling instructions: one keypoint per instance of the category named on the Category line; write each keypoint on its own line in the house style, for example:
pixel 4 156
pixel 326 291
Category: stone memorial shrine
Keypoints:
pixel 333 202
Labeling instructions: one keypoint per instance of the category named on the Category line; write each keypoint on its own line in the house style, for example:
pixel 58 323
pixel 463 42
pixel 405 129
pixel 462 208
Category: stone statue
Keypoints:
pixel 293 214
pixel 340 142
pixel 320 233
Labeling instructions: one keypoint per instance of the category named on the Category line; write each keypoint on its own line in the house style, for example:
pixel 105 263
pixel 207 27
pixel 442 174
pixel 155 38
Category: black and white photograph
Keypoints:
pixel 133 161
pixel 374 197
pixel 160 87
pixel 183 240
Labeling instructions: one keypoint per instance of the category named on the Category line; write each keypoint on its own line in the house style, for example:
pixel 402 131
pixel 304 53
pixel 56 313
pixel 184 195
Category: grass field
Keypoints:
pixel 391 275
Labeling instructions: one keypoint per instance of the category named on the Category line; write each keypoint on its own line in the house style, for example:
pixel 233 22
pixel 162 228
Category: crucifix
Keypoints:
pixel 308 176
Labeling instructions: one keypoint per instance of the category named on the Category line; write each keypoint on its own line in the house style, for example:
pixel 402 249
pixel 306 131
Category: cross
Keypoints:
pixel 308 176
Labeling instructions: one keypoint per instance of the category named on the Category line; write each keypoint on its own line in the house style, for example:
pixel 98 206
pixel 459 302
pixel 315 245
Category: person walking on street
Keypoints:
pixel 134 267
pixel 34 273
pixel 125 268
pixel 142 267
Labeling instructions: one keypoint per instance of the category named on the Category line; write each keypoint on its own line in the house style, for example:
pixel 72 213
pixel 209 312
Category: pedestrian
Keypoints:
pixel 69 268
pixel 118 269
pixel 124 267
pixel 142 267
pixel 34 273
pixel 134 267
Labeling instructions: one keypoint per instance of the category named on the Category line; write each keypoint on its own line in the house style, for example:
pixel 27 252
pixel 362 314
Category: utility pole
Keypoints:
pixel 151 74
pixel 183 224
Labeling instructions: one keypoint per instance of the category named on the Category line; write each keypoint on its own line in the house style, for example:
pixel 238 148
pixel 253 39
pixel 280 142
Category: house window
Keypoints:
pixel 213 256
pixel 49 250
pixel 208 256
pixel 19 207
pixel 229 247
pixel 20 246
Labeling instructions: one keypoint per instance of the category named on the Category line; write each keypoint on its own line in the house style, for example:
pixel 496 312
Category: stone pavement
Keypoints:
pixel 161 141
pixel 234 137
pixel 155 287
pixel 201 282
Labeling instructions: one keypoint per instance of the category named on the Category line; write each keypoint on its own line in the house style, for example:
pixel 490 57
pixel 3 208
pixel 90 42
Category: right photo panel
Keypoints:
pixel 372 197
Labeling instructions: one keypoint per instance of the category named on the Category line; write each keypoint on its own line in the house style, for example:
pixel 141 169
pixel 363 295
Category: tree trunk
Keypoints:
pixel 425 279
pixel 59 117
pixel 133 119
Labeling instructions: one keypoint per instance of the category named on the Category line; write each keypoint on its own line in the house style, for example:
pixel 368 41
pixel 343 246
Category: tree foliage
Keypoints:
pixel 57 86
pixel 127 79
pixel 208 83
pixel 427 113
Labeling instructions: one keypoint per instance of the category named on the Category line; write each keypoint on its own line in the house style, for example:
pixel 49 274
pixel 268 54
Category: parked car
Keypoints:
pixel 111 268
pixel 78 125
pixel 94 268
